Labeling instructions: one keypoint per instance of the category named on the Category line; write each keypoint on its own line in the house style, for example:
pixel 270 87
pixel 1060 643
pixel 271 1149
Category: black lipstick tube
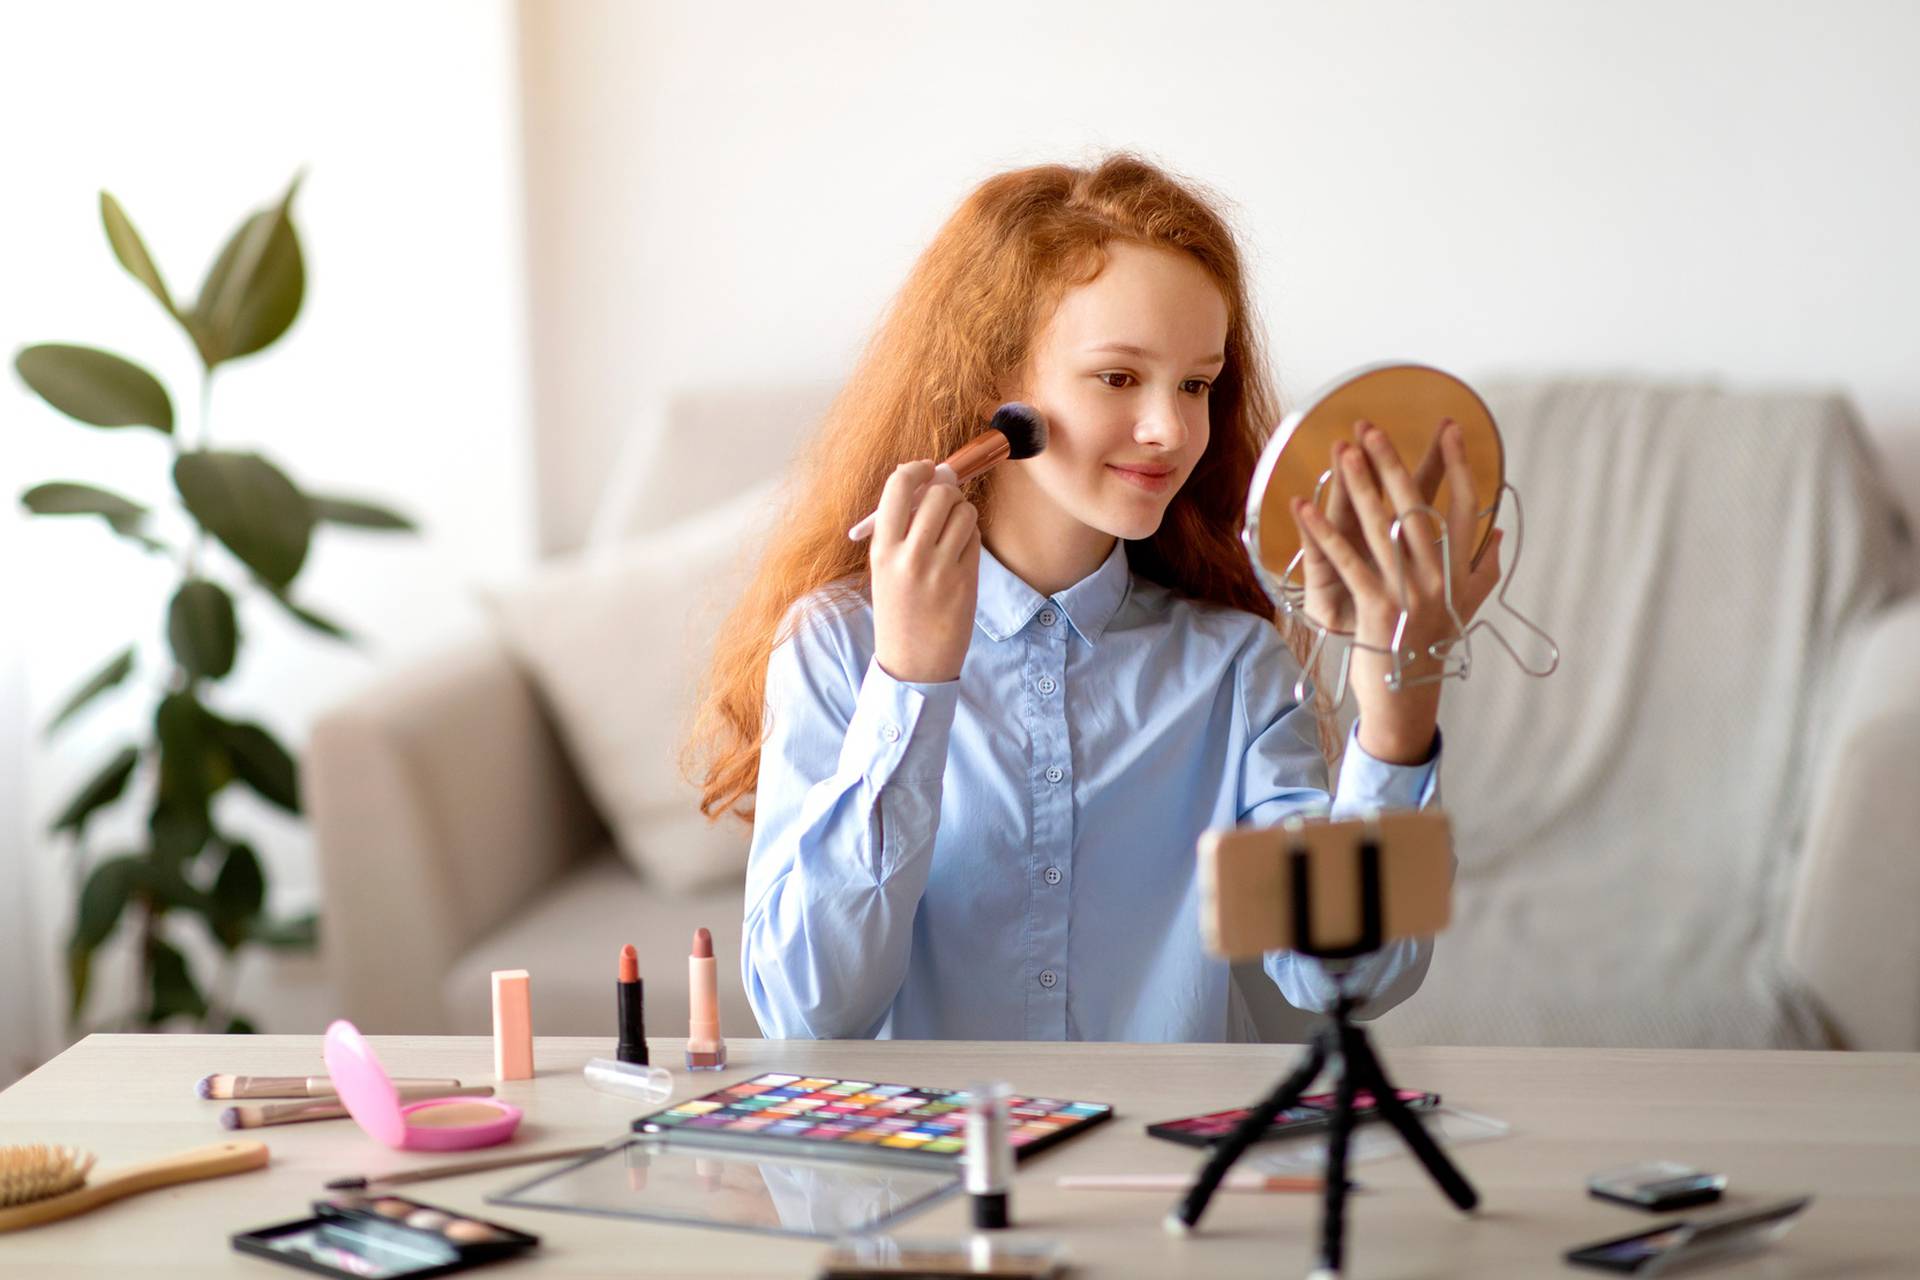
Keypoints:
pixel 632 1046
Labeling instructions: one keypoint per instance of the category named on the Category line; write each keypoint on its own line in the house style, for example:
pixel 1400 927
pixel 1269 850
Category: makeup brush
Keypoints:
pixel 248 1115
pixel 226 1086
pixel 45 1184
pixel 1017 432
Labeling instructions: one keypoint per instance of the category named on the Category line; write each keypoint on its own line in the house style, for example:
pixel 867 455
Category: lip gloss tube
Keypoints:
pixel 706 1051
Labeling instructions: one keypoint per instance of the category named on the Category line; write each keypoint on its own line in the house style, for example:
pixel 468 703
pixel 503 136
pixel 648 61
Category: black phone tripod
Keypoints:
pixel 1344 1043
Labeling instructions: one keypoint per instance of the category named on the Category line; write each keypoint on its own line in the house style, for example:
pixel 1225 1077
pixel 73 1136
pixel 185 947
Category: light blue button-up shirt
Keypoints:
pixel 1011 855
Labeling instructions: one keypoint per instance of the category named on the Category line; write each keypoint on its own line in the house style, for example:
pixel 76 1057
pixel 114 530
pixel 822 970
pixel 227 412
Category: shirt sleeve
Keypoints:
pixel 845 815
pixel 1283 775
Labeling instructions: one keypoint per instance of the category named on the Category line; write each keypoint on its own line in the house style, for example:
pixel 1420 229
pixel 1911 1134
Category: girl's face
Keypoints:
pixel 1123 372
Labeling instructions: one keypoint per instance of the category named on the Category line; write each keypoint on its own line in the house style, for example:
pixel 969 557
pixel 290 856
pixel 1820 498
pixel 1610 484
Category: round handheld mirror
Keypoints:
pixel 1408 402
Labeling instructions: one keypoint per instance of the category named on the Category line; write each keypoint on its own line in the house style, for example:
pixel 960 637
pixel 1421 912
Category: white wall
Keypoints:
pixel 403 379
pixel 726 193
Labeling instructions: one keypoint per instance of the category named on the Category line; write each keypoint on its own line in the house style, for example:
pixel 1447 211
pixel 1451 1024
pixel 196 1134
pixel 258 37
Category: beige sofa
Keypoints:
pixel 1703 830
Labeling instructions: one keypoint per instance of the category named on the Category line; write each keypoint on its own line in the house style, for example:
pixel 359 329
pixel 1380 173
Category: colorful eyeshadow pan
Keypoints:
pixel 860 1119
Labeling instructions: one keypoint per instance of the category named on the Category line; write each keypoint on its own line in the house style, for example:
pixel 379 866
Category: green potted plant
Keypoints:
pixel 249 529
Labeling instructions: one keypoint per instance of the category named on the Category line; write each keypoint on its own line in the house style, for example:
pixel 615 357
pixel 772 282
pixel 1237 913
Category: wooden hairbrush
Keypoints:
pixel 45 1183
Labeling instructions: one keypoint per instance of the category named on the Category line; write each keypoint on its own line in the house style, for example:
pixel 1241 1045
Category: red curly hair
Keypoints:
pixel 955 337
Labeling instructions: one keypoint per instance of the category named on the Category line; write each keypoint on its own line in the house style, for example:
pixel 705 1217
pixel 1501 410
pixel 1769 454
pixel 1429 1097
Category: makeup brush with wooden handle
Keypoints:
pixel 45 1184
pixel 1016 433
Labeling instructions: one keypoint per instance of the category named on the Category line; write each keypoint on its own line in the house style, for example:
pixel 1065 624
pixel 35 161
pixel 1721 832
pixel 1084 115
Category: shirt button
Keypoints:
pixel 1052 875
pixel 1047 685
pixel 1048 977
pixel 891 733
pixel 1055 773
pixel 1048 617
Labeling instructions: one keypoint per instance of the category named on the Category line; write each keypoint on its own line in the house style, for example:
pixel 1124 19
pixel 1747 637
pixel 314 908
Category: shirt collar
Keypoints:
pixel 1006 603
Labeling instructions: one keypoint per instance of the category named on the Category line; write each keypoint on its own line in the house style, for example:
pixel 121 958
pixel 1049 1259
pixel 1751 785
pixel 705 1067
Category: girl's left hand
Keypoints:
pixel 1354 576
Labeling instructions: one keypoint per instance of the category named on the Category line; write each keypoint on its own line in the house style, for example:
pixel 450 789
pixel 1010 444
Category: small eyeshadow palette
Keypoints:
pixel 860 1120
pixel 386 1237
pixel 1310 1115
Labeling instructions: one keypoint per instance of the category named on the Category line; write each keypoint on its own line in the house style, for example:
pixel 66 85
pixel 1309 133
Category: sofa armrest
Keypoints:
pixel 440 800
pixel 1850 933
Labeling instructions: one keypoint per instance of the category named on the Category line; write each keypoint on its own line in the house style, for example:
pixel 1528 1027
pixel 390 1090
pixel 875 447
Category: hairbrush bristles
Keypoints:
pixel 37 1172
pixel 1024 428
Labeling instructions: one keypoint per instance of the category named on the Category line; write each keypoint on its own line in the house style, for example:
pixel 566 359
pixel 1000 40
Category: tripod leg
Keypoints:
pixel 1333 1222
pixel 1187 1213
pixel 1362 1063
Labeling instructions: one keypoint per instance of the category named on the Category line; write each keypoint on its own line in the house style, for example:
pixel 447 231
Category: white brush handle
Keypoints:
pixel 942 474
pixel 213 1161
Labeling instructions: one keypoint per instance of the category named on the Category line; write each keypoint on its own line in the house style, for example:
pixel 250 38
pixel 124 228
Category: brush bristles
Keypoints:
pixel 1024 428
pixel 37 1172
pixel 205 1087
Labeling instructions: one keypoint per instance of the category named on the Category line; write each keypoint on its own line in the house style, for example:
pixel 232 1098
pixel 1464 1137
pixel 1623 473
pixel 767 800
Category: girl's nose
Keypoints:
pixel 1163 425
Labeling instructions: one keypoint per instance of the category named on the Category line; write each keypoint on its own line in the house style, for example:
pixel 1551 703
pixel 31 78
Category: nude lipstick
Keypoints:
pixel 706 1051
pixel 631 1006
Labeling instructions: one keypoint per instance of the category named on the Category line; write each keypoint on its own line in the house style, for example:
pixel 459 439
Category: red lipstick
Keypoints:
pixel 631 1007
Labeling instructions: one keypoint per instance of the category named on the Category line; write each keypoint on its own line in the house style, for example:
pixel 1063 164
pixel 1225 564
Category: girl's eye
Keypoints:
pixel 1117 386
pixel 1200 386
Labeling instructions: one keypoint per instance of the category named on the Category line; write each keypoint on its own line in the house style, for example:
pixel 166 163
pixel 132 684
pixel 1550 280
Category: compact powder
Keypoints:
pixel 453 1115
pixel 392 1208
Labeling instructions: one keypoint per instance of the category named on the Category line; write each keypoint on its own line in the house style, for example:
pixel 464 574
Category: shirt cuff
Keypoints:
pixel 1370 783
pixel 899 728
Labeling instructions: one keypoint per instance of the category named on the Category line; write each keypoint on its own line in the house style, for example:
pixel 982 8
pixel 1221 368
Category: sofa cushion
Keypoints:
pixel 569 939
pixel 617 645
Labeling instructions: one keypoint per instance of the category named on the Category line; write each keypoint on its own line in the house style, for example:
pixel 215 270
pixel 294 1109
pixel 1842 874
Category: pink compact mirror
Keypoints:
pixel 435 1124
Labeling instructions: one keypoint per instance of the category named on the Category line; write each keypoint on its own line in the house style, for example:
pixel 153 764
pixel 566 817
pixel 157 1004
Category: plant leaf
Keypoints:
pixel 238 1026
pixel 178 830
pixel 117 669
pixel 254 288
pixel 193 762
pixel 174 990
pixel 251 506
pixel 104 896
pixel 68 498
pixel 238 893
pixel 307 617
pixel 263 764
pixel 79 977
pixel 202 629
pixel 132 250
pixel 102 789
pixel 300 933
pixel 360 515
pixel 94 386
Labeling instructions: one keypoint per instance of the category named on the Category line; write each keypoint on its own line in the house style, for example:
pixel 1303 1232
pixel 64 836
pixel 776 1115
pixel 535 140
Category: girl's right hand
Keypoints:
pixel 926 574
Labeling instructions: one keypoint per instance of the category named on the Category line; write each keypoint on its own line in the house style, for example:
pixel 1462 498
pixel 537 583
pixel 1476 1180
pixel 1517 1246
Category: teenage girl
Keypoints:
pixel 978 752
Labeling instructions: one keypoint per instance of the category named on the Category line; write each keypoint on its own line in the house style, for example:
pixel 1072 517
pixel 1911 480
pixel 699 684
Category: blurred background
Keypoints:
pixel 541 239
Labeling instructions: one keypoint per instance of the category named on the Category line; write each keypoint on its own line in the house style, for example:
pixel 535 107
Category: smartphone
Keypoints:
pixel 1658 1186
pixel 1691 1240
pixel 1312 1114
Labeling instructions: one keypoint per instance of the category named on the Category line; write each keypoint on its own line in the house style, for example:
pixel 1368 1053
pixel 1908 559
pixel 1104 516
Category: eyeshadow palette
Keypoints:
pixel 860 1120
pixel 1310 1115
pixel 384 1238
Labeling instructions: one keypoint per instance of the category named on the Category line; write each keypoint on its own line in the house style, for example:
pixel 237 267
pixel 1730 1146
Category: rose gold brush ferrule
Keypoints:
pixel 979 453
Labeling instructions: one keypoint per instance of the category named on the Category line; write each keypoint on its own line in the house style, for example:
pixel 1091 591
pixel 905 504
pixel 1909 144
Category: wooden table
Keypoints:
pixel 1843 1126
